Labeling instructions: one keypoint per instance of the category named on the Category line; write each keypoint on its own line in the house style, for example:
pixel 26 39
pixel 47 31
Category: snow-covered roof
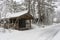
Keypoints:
pixel 10 15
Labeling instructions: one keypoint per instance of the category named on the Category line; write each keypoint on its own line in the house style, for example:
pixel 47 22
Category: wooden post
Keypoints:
pixel 30 23
pixel 12 24
pixel 18 23
pixel 8 23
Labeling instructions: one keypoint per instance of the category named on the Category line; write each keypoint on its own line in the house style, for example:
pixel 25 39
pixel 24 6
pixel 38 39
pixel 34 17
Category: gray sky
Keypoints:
pixel 58 6
pixel 20 1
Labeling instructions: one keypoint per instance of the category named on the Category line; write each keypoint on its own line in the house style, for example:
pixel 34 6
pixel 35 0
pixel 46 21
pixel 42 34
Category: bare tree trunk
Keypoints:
pixel 39 8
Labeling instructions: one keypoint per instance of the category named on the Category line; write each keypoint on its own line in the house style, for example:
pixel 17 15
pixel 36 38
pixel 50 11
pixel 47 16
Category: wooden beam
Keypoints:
pixel 30 23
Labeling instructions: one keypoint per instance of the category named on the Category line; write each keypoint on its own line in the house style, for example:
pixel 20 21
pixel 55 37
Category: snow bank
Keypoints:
pixel 33 34
pixel 18 35
pixel 54 25
pixel 57 37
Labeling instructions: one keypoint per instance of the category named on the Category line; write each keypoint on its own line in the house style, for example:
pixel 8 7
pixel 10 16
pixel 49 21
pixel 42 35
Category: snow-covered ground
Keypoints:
pixel 49 33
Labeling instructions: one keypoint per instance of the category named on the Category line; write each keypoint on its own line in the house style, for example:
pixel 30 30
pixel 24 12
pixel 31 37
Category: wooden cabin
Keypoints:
pixel 20 21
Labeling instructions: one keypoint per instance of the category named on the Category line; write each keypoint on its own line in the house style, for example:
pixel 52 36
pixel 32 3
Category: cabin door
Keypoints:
pixel 22 23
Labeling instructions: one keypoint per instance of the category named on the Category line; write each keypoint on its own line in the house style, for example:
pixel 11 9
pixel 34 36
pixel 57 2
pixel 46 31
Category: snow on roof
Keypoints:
pixel 10 15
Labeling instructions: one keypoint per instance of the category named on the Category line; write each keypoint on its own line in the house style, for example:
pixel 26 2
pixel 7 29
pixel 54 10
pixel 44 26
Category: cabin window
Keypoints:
pixel 12 20
pixel 27 23
pixel 2 21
